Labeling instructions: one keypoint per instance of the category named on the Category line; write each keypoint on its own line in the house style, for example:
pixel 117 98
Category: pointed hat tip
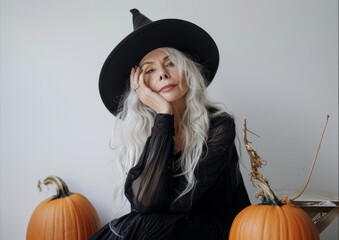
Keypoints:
pixel 134 11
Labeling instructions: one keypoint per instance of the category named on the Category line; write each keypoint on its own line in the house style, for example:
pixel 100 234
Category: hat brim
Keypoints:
pixel 182 35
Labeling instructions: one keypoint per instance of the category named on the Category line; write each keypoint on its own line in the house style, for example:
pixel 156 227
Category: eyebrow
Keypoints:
pixel 153 62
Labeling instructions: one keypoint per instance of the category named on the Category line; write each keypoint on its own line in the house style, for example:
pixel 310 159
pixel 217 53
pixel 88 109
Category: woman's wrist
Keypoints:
pixel 165 109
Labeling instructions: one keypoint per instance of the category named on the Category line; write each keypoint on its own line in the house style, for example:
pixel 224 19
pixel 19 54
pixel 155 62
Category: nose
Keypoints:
pixel 163 74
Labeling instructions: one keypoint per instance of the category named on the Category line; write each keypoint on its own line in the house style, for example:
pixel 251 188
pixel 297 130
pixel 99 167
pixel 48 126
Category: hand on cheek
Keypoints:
pixel 146 95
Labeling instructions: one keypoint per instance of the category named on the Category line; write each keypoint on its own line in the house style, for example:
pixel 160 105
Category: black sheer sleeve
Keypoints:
pixel 148 183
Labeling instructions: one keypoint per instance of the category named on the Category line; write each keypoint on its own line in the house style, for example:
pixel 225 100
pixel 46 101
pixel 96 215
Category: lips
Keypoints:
pixel 167 88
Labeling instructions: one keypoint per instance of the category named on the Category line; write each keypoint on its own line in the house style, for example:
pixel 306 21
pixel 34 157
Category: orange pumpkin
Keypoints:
pixel 65 216
pixel 274 219
pixel 268 222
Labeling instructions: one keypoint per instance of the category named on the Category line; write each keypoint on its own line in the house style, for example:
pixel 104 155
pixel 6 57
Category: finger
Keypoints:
pixel 134 78
pixel 142 80
pixel 142 90
pixel 134 75
pixel 137 76
pixel 131 77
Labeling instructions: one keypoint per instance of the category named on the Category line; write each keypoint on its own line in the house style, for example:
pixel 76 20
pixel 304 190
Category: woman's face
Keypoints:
pixel 162 76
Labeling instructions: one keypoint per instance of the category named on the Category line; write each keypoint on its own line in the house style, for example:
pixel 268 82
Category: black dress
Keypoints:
pixel 206 212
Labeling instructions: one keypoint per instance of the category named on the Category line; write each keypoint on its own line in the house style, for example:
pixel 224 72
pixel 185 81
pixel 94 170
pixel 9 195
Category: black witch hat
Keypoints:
pixel 147 36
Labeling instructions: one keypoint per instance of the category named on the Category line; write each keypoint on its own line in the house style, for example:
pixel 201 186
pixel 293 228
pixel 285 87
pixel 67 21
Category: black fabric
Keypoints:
pixel 205 213
pixel 139 19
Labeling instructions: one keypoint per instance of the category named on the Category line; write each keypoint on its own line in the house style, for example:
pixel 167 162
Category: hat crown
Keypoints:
pixel 139 19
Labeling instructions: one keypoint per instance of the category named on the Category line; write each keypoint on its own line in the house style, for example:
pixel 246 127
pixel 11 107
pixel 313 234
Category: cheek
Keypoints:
pixel 150 82
pixel 185 88
pixel 184 85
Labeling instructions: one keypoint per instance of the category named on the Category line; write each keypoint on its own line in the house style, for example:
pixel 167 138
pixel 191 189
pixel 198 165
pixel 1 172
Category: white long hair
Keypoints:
pixel 135 121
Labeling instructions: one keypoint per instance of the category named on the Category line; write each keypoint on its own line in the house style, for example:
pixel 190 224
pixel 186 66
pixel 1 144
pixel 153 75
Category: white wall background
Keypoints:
pixel 278 68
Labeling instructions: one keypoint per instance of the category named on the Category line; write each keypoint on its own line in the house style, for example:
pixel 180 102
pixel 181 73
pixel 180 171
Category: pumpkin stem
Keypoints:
pixel 266 192
pixel 315 158
pixel 61 187
pixel 268 196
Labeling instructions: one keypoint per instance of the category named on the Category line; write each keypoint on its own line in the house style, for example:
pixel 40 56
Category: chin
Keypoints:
pixel 171 97
pixel 170 100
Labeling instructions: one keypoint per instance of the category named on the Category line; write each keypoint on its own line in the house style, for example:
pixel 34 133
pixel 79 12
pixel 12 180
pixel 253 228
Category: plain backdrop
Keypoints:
pixel 278 69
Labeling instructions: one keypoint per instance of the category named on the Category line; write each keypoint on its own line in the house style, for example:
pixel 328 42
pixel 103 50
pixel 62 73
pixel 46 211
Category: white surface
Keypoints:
pixel 278 68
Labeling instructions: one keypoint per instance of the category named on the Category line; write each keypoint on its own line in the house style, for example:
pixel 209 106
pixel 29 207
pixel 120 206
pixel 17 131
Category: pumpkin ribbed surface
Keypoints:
pixel 66 216
pixel 267 222
pixel 69 218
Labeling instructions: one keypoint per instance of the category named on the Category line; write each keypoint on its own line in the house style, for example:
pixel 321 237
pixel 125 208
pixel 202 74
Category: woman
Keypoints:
pixel 183 179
